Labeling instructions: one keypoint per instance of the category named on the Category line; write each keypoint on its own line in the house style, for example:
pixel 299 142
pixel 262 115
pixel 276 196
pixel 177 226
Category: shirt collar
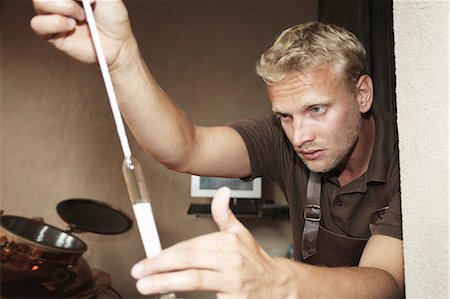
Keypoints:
pixel 383 149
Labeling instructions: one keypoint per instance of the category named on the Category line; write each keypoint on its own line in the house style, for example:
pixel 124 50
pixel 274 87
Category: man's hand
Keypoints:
pixel 229 262
pixel 63 24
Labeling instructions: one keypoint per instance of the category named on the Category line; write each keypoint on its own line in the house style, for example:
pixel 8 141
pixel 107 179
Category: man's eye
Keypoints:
pixel 282 116
pixel 317 109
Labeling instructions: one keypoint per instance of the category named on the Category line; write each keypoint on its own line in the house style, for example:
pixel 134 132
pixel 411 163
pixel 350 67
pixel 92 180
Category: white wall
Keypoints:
pixel 421 54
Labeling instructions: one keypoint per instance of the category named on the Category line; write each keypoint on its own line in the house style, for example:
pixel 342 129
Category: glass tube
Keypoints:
pixel 137 191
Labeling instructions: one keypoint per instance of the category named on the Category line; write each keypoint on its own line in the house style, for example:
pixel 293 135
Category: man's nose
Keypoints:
pixel 302 132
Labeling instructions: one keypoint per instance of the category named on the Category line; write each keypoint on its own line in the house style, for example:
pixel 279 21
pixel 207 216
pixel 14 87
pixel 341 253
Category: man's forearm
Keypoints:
pixel 345 282
pixel 148 111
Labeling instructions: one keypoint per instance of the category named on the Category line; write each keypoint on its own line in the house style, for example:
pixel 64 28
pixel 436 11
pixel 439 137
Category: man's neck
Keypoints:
pixel 358 162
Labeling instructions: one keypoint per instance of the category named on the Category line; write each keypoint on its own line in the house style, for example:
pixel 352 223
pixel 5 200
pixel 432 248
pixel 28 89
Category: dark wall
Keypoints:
pixel 372 22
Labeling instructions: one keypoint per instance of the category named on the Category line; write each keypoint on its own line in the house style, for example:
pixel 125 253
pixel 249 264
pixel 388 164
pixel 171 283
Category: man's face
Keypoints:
pixel 319 116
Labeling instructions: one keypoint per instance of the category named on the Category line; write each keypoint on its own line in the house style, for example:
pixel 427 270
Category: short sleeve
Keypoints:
pixel 390 222
pixel 267 146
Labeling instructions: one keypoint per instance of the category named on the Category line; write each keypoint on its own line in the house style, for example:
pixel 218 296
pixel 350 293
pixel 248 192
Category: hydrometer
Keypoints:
pixel 131 168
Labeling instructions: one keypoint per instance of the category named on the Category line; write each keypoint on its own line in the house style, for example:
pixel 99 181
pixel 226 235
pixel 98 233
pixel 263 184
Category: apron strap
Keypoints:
pixel 312 215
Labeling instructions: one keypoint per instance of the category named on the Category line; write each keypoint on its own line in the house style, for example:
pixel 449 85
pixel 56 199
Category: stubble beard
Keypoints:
pixel 340 148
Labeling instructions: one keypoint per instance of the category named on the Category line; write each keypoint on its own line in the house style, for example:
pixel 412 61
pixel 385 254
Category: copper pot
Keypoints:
pixel 40 259
pixel 33 249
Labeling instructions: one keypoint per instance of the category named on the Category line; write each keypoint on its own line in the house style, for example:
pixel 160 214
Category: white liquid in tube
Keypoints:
pixel 137 191
pixel 147 228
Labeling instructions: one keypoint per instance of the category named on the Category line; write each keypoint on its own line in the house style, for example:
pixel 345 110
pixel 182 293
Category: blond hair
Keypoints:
pixel 310 46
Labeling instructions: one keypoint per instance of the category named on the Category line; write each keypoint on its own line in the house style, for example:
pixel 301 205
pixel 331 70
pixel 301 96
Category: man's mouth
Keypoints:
pixel 312 154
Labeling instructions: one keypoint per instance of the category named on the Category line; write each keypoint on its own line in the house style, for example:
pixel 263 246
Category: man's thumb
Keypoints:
pixel 221 212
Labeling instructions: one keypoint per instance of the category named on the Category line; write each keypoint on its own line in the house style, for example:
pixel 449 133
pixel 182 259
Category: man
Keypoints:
pixel 332 154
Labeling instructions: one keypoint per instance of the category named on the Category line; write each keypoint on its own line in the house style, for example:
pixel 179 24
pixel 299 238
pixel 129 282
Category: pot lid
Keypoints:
pixel 93 216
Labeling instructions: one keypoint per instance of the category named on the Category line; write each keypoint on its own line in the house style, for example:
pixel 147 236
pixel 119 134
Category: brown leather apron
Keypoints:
pixel 321 246
pixel 335 250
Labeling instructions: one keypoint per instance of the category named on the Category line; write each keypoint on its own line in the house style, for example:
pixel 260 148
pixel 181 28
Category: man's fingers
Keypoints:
pixel 49 25
pixel 185 270
pixel 175 260
pixel 221 213
pixel 56 17
pixel 183 258
pixel 189 280
pixel 68 8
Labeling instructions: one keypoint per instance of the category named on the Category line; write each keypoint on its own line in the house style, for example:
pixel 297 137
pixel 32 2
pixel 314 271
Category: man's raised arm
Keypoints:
pixel 157 123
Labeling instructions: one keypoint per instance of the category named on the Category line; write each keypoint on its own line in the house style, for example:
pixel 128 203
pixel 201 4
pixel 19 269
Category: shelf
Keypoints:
pixel 269 211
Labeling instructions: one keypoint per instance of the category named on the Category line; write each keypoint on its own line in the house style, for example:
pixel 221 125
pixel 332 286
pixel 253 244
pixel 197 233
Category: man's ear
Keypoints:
pixel 364 93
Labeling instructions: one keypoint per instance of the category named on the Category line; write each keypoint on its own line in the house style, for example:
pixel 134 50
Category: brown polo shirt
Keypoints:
pixel 368 205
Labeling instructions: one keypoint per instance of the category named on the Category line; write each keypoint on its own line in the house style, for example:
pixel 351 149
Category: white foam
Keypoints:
pixel 147 228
